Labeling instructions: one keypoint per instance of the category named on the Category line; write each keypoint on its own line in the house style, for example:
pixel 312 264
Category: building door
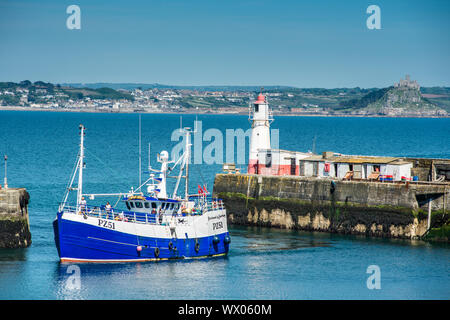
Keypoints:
pixel 315 168
pixel 268 160
pixel 292 166
pixel 302 168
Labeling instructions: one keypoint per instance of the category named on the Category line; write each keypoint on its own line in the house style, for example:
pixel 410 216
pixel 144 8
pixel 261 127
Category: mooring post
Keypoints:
pixel 429 214
pixel 443 201
pixel 5 184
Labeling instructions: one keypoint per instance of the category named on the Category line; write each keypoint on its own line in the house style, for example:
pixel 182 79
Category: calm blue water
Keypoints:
pixel 262 264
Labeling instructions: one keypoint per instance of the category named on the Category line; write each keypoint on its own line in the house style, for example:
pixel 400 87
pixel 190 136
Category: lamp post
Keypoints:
pixel 6 180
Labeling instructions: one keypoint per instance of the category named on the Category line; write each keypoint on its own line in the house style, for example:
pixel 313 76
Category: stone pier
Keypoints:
pixel 14 221
pixel 390 210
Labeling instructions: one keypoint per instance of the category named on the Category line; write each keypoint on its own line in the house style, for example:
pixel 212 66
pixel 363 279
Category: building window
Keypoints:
pixel 256 107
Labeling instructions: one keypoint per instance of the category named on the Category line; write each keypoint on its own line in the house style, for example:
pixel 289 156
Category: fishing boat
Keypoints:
pixel 152 225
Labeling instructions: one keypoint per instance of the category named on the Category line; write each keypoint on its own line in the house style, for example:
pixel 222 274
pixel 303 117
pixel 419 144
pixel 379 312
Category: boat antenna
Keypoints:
pixel 149 166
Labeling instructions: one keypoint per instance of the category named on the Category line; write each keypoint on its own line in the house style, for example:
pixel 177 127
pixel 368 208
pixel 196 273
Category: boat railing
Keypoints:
pixel 113 214
pixel 140 217
pixel 214 204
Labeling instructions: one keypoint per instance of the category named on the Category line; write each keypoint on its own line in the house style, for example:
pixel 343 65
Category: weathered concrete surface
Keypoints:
pixel 14 221
pixel 352 207
pixel 430 169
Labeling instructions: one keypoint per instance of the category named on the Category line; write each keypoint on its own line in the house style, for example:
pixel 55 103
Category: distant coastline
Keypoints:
pixel 206 112
pixel 404 99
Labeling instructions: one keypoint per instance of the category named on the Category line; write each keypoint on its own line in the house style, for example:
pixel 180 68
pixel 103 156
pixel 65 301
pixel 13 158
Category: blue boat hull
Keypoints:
pixel 76 241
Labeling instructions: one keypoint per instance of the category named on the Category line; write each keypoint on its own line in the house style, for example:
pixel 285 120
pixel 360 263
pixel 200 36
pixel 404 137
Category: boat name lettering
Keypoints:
pixel 217 217
pixel 106 224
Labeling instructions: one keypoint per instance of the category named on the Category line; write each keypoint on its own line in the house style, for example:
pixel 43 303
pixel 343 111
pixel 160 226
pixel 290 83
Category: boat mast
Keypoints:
pixel 80 167
pixel 140 156
pixel 188 132
pixel 188 151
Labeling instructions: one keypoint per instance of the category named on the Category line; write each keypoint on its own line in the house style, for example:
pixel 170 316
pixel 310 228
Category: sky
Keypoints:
pixel 321 43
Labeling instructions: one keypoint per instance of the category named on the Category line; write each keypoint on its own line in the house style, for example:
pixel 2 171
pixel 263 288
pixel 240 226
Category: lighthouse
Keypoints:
pixel 260 118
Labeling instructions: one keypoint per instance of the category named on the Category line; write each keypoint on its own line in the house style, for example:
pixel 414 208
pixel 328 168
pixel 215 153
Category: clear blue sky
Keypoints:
pixel 322 43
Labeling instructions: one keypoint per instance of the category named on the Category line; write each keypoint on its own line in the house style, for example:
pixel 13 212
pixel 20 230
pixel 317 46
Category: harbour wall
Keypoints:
pixel 379 209
pixel 14 221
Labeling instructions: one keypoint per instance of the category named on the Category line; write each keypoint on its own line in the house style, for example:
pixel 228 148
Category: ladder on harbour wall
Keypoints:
pixel 430 203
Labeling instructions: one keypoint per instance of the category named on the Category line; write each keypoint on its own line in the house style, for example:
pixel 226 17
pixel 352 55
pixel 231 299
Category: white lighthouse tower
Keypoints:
pixel 260 117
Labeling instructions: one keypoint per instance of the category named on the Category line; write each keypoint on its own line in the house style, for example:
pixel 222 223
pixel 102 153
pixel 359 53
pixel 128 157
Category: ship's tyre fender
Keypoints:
pixel 332 187
pixel 216 240
pixel 197 246
pixel 156 252
pixel 170 245
pixel 227 239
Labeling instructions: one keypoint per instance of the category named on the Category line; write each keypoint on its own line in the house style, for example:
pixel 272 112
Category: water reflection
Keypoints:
pixel 13 254
pixel 265 240
pixel 158 280
pixel 262 264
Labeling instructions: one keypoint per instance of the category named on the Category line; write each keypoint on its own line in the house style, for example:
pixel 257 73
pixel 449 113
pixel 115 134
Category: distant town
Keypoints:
pixel 404 98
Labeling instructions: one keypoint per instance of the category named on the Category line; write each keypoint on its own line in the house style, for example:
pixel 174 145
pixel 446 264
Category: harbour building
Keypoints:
pixel 264 160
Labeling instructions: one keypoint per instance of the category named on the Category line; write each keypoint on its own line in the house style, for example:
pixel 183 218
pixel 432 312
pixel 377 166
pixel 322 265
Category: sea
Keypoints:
pixel 262 263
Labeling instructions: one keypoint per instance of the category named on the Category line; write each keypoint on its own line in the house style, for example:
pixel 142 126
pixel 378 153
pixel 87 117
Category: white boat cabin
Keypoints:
pixel 152 205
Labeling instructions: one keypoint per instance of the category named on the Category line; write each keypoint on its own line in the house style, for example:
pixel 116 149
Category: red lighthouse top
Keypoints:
pixel 260 99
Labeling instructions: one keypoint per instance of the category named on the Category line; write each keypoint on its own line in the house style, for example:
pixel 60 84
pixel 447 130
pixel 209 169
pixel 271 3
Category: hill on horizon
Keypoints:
pixel 130 86
pixel 396 100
